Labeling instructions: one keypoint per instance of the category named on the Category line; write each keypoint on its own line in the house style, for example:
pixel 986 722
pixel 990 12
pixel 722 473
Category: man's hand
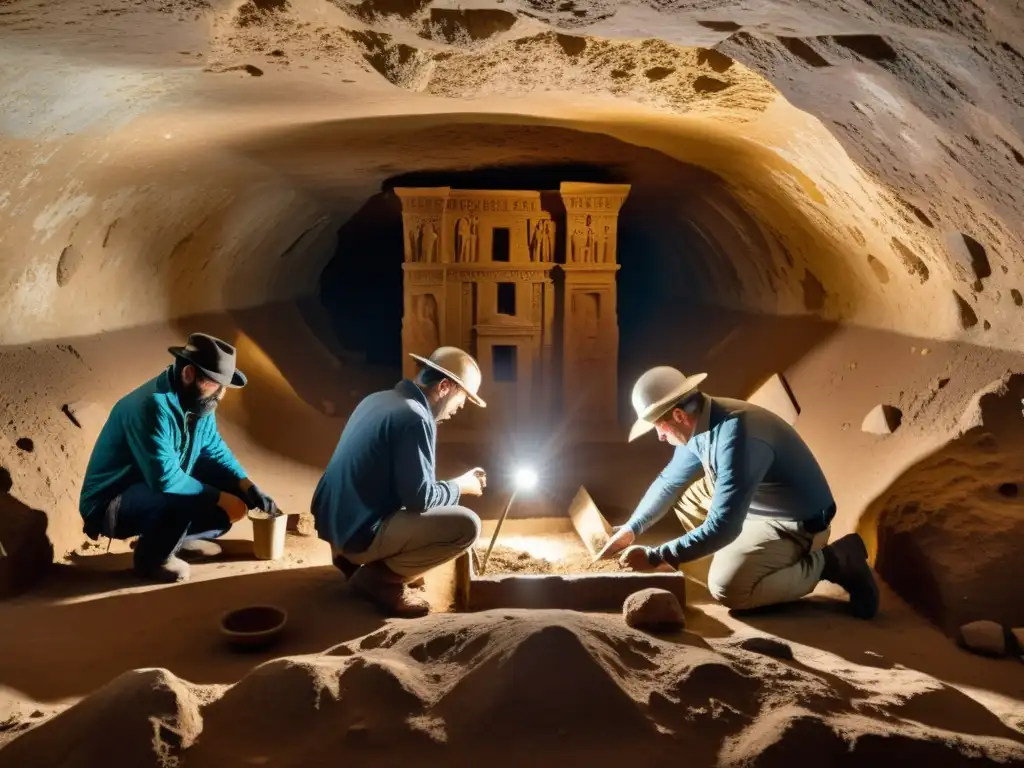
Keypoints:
pixel 472 483
pixel 621 538
pixel 636 559
pixel 232 505
pixel 257 499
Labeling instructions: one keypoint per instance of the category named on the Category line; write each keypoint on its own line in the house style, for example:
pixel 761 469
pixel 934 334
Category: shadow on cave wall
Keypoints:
pixel 26 553
pixel 950 529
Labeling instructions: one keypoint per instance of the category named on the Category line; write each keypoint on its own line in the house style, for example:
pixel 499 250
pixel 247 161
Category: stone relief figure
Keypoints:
pixel 591 250
pixel 428 243
pixel 579 244
pixel 540 241
pixel 414 243
pixel 474 238
pixel 423 334
pixel 609 246
pixel 545 241
pixel 463 243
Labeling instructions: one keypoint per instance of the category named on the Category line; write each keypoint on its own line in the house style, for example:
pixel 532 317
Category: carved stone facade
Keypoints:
pixel 485 271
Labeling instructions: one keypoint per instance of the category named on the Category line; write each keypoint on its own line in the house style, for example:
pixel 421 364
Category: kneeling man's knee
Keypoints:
pixel 732 592
pixel 466 526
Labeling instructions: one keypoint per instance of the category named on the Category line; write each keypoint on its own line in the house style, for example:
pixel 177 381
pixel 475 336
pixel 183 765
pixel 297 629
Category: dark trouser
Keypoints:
pixel 164 521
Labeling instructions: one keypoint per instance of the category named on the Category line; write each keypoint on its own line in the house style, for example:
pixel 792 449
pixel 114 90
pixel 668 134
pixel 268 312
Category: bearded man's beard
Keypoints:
pixel 193 401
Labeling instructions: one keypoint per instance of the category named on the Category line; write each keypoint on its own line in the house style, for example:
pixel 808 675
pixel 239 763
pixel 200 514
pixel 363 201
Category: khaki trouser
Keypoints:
pixel 411 543
pixel 772 561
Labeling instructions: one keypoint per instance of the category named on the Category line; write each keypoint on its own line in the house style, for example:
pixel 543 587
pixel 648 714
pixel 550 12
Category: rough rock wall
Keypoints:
pixel 868 153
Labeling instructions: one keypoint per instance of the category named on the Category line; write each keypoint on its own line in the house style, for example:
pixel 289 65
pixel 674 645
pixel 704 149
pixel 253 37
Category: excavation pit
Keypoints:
pixel 548 564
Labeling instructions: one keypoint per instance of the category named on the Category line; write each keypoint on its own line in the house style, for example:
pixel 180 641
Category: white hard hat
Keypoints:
pixel 656 392
pixel 459 366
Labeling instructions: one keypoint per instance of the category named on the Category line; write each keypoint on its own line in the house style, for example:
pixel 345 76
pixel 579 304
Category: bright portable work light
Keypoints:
pixel 524 479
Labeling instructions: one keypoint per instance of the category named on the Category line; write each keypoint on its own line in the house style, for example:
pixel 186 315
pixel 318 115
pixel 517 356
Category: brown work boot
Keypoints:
pixel 194 549
pixel 173 570
pixel 385 588
pixel 846 564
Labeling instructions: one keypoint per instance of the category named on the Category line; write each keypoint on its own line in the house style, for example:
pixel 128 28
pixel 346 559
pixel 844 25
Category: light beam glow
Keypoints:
pixel 525 479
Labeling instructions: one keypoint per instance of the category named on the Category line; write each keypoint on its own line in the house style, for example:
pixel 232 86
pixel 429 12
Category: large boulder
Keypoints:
pixel 653 609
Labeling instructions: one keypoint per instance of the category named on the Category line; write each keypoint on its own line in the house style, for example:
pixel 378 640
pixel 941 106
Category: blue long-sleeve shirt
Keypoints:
pixel 756 463
pixel 384 461
pixel 148 439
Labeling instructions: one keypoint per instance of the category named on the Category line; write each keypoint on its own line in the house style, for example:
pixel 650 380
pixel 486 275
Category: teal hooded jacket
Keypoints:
pixel 149 439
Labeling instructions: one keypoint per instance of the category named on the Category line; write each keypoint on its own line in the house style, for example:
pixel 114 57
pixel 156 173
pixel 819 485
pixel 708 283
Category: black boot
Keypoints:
pixel 846 564
pixel 155 556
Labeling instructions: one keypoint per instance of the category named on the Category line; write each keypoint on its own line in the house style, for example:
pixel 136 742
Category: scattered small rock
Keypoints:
pixel 653 609
pixel 767 646
pixel 984 637
pixel 882 420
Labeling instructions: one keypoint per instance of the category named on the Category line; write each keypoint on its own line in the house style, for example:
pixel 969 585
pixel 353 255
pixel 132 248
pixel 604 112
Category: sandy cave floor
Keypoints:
pixel 893 683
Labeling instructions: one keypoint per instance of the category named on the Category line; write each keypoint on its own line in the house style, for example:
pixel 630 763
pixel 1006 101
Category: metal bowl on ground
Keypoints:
pixel 255 626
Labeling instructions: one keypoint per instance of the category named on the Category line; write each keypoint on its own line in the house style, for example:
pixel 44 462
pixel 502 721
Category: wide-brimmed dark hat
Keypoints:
pixel 214 358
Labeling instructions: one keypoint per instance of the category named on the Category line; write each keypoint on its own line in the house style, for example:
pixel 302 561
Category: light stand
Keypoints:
pixel 525 480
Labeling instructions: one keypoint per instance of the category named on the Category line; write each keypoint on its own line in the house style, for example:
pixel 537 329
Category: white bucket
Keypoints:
pixel 268 535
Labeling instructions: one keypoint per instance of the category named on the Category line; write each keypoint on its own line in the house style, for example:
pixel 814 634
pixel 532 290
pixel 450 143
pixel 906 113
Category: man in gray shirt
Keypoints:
pixel 763 507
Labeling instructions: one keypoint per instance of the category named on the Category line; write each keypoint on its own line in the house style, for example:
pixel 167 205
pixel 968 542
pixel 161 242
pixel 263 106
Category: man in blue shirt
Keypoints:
pixel 766 506
pixel 160 470
pixel 379 504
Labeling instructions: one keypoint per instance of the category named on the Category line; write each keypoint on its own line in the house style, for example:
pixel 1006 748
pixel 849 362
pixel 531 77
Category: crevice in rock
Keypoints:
pixel 658 73
pixel 705 84
pixel 913 263
pixel 721 26
pixel 968 318
pixel 979 259
pixel 70 261
pixel 880 270
pixel 804 52
pixel 873 47
pixel 455 25
pixel 714 59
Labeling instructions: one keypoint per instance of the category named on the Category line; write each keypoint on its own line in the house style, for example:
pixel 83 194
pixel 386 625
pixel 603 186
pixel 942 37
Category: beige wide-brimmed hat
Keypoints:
pixel 458 366
pixel 656 392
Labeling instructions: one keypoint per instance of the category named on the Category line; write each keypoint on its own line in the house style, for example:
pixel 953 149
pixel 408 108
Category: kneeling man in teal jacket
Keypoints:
pixel 160 470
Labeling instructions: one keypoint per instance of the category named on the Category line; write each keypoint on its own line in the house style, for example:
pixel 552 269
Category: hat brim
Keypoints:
pixel 236 381
pixel 469 395
pixel 656 410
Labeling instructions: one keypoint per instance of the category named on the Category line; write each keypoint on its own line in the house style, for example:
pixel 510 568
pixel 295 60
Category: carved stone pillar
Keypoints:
pixel 590 329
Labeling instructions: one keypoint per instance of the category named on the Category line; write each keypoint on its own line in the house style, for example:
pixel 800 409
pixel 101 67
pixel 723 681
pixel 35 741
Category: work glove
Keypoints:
pixel 257 499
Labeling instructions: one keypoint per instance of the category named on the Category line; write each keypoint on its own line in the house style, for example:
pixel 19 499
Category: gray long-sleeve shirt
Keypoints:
pixel 755 461
pixel 384 461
